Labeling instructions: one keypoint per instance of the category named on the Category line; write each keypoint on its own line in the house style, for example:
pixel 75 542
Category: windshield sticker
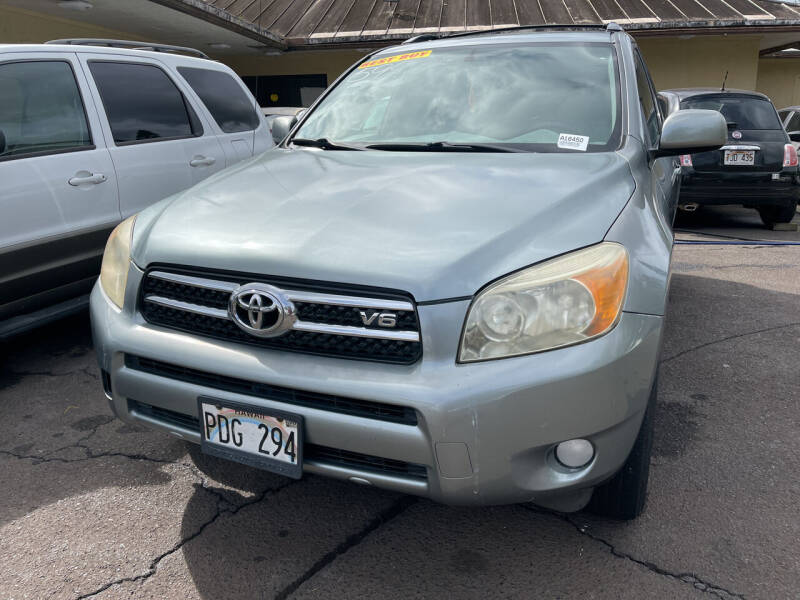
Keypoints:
pixel 573 142
pixel 393 59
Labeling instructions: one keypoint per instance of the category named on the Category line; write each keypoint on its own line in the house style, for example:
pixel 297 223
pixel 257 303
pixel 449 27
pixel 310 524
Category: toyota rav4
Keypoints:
pixel 448 279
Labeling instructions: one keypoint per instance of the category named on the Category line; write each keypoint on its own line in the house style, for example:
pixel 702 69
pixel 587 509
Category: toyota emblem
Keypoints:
pixel 261 310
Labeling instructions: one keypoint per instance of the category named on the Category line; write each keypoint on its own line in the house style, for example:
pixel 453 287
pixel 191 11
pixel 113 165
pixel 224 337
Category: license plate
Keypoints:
pixel 267 439
pixel 740 157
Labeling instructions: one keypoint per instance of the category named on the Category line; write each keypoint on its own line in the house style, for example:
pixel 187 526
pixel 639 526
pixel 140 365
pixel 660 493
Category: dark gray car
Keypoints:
pixel 448 280
pixel 756 168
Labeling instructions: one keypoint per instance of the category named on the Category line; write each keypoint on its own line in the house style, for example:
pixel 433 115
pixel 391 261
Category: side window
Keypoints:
pixel 41 110
pixel 647 101
pixel 232 109
pixel 794 123
pixel 142 103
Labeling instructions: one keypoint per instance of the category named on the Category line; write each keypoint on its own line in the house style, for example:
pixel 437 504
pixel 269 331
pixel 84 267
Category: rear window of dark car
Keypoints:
pixel 741 112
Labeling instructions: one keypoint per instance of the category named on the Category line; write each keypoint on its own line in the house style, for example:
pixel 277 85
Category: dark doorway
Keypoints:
pixel 286 90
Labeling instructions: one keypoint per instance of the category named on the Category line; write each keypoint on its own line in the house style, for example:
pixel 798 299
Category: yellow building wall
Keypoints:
pixel 25 27
pixel 700 61
pixel 300 62
pixel 779 78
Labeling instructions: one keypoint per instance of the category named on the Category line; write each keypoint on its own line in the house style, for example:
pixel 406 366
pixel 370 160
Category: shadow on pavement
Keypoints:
pixel 58 437
pixel 730 221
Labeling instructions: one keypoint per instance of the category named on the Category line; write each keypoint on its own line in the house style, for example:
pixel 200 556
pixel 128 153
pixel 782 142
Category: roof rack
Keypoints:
pixel 425 37
pixel 130 45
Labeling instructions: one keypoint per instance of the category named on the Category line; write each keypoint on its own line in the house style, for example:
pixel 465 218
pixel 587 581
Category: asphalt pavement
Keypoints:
pixel 91 507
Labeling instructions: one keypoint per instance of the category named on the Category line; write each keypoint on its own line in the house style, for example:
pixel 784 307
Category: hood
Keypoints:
pixel 437 225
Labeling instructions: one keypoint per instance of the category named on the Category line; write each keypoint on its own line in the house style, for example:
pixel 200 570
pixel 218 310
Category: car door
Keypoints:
pixel 159 143
pixel 666 170
pixel 238 121
pixel 58 196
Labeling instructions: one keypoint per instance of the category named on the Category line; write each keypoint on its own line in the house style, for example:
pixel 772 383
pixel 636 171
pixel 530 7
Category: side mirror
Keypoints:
pixel 690 131
pixel 281 126
pixel 793 135
pixel 300 114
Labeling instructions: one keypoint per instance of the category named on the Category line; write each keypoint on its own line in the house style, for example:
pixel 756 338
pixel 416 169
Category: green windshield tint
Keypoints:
pixel 523 96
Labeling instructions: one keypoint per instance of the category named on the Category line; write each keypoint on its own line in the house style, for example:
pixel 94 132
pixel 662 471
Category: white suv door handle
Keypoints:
pixel 85 177
pixel 202 161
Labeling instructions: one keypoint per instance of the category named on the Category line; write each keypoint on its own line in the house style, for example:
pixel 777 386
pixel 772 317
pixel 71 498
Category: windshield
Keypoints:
pixel 536 97
pixel 742 112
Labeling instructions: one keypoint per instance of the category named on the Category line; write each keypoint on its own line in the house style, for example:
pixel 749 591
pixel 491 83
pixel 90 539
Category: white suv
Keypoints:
pixel 92 131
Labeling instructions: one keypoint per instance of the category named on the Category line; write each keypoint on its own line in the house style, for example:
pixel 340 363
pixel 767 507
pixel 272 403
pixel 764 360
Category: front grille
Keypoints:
pixel 343 325
pixel 348 406
pixel 363 462
pixel 311 452
pixel 165 416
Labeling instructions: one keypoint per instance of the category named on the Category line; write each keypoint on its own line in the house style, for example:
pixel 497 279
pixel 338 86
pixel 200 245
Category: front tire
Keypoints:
pixel 623 496
pixel 770 215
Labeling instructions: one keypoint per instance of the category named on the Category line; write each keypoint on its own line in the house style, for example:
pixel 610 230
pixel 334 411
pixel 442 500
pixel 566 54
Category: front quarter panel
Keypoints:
pixel 644 228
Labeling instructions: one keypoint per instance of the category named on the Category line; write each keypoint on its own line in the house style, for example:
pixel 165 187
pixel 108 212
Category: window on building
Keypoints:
pixel 142 103
pixel 286 90
pixel 41 109
pixel 230 106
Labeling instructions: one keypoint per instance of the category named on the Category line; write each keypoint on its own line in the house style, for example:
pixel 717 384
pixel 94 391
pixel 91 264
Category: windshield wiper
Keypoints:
pixel 323 143
pixel 440 147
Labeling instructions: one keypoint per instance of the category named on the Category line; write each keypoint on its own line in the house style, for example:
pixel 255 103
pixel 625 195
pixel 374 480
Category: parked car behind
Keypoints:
pixel 758 166
pixel 273 112
pixel 281 111
pixel 91 135
pixel 790 117
pixel 449 280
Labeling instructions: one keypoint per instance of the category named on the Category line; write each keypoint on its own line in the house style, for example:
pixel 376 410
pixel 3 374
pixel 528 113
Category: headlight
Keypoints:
pixel 116 259
pixel 564 301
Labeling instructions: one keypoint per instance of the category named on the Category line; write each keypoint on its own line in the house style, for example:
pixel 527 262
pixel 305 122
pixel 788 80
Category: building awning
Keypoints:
pixel 303 23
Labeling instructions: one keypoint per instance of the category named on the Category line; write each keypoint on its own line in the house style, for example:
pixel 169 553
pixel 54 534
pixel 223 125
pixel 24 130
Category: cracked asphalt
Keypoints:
pixel 91 507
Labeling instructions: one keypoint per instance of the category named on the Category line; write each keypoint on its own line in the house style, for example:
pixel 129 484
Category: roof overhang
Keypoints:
pixel 190 23
pixel 302 24
pixel 212 14
pixel 228 27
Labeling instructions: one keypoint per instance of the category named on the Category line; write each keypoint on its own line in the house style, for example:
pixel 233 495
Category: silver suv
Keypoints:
pixel 91 132
pixel 448 280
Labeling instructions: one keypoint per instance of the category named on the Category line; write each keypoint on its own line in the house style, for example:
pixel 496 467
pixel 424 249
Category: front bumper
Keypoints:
pixel 748 189
pixel 485 432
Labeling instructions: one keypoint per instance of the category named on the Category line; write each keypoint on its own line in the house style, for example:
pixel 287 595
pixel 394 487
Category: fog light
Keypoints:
pixel 575 453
